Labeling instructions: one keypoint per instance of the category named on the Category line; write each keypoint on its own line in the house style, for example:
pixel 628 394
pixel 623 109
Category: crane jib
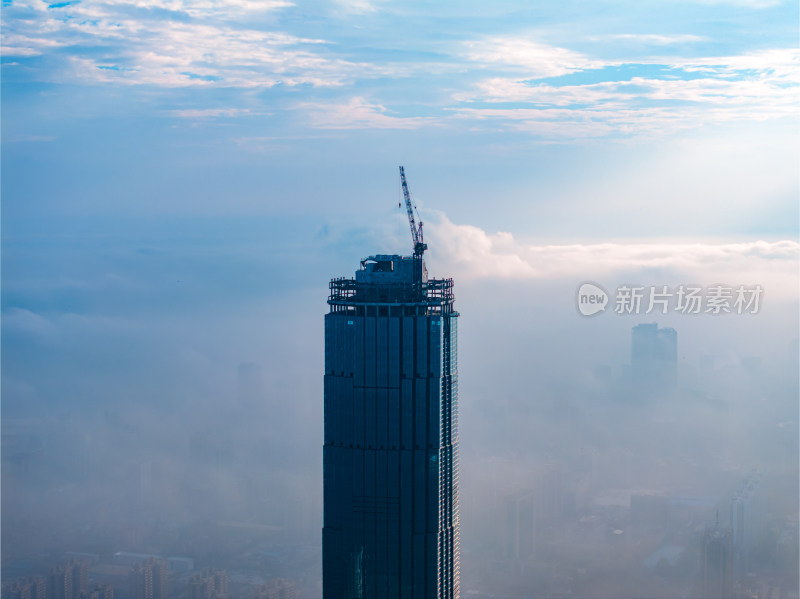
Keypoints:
pixel 416 232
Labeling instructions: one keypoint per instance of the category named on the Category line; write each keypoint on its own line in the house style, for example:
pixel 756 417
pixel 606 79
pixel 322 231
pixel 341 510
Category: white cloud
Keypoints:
pixel 150 50
pixel 757 4
pixel 27 49
pixel 55 329
pixel 549 124
pixel 657 39
pixel 775 63
pixel 358 7
pixel 471 253
pixel 202 113
pixel 22 138
pixel 132 44
pixel 522 54
pixel 753 87
pixel 26 322
pixel 357 113
pixel 203 7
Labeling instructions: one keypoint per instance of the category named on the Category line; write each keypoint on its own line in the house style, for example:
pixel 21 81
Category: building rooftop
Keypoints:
pixel 391 279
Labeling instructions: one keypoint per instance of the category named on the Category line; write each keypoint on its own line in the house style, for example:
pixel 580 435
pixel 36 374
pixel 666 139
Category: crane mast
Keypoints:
pixel 416 232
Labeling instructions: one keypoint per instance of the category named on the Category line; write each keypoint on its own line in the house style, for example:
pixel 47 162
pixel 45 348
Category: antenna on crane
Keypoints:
pixel 416 232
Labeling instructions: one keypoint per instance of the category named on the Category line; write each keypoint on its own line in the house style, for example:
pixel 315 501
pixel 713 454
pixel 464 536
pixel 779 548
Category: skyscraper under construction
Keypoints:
pixel 390 455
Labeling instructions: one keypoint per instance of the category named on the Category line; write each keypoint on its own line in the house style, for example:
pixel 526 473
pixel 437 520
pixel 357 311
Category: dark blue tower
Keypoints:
pixel 390 458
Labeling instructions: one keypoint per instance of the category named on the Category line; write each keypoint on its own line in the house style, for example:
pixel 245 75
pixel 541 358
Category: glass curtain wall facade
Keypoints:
pixel 390 456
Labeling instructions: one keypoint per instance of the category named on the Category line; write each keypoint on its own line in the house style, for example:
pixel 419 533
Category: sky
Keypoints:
pixel 593 120
pixel 180 180
pixel 248 149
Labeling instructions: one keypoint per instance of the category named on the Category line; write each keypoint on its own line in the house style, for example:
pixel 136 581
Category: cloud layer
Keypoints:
pixel 471 253
pixel 621 84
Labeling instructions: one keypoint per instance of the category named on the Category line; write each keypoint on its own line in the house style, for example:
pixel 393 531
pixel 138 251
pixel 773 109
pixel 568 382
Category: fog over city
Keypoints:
pixel 181 180
pixel 176 416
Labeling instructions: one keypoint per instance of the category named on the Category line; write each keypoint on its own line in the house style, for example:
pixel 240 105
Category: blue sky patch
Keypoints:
pixel 63 4
pixel 625 72
pixel 202 77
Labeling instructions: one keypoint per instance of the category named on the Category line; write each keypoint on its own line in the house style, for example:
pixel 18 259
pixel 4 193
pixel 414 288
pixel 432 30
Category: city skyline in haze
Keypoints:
pixel 182 178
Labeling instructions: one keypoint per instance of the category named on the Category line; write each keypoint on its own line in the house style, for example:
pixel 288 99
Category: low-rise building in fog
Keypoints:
pixel 277 588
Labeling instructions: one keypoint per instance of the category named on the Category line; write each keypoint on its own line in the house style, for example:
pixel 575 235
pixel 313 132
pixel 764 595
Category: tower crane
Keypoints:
pixel 416 232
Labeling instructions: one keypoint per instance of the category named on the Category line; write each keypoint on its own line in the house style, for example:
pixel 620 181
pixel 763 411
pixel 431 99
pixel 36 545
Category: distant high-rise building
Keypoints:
pixel 743 523
pixel 201 587
pixel 80 577
pixel 519 536
pixel 220 582
pixel 654 358
pixel 33 587
pixel 149 579
pixel 529 511
pixel 210 584
pixel 59 583
pixel 100 591
pixel 390 452
pixel 717 563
